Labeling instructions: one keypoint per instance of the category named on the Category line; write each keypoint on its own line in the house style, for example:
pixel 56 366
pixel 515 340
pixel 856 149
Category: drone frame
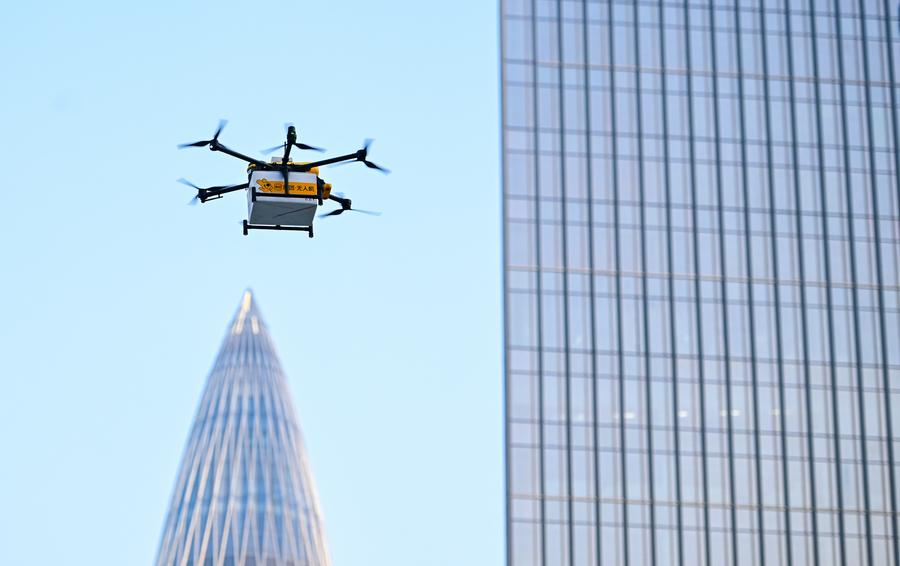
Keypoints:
pixel 285 168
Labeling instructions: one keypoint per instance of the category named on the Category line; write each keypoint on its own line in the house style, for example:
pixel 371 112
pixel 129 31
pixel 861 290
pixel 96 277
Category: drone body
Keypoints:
pixel 273 204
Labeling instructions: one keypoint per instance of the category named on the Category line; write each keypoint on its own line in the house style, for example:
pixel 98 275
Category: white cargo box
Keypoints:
pixel 268 205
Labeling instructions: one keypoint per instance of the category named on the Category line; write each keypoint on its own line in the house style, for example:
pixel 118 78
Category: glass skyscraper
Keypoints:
pixel 245 494
pixel 702 295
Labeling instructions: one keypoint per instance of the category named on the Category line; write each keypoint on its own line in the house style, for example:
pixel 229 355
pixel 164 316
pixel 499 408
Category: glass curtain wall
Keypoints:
pixel 702 291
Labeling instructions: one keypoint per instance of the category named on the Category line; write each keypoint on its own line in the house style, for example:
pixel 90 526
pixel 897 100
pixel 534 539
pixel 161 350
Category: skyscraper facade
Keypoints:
pixel 702 244
pixel 245 494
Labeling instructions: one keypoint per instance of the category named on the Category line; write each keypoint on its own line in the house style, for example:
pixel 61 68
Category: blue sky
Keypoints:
pixel 116 295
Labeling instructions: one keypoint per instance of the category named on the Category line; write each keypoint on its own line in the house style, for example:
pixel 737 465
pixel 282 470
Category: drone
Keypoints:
pixel 282 194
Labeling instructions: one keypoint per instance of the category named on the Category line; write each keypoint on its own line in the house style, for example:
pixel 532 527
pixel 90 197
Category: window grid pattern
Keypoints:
pixel 702 281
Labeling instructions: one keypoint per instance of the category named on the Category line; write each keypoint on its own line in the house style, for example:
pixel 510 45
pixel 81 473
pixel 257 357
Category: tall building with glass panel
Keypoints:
pixel 702 281
pixel 244 495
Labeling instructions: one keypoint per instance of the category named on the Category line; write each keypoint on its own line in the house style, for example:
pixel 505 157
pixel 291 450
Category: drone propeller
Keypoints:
pixel 298 145
pixel 309 147
pixel 366 162
pixel 196 199
pixel 269 150
pixel 202 143
pixel 343 210
pixel 361 156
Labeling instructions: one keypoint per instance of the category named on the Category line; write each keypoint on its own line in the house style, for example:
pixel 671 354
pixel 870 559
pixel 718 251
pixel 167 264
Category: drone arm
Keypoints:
pixel 207 194
pixel 348 157
pixel 285 159
pixel 216 146
pixel 287 154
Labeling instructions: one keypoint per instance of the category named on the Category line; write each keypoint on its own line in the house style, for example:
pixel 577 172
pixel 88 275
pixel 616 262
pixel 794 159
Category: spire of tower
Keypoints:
pixel 247 311
pixel 245 494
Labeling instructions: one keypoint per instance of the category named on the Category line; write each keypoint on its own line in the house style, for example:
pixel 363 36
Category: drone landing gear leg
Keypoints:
pixel 248 226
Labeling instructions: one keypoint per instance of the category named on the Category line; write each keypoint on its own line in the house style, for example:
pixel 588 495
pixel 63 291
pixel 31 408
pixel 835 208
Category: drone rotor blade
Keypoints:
pixel 309 147
pixel 334 212
pixel 365 153
pixel 371 165
pixel 196 199
pixel 271 149
pixel 202 143
pixel 343 210
pixel 366 162
pixel 222 124
pixel 369 212
pixel 184 181
pixel 195 144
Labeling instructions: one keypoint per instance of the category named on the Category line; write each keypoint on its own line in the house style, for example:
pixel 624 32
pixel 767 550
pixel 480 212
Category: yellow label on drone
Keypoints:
pixel 276 187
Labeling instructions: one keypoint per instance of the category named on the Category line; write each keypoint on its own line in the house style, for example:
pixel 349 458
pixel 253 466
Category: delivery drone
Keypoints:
pixel 282 194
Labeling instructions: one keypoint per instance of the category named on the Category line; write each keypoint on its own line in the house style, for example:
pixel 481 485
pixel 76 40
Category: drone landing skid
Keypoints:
pixel 248 227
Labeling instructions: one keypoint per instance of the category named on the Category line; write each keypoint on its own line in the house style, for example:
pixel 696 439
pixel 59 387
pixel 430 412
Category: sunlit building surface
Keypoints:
pixel 245 494
pixel 701 282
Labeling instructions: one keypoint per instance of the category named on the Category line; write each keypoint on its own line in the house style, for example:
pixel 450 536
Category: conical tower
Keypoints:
pixel 245 494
